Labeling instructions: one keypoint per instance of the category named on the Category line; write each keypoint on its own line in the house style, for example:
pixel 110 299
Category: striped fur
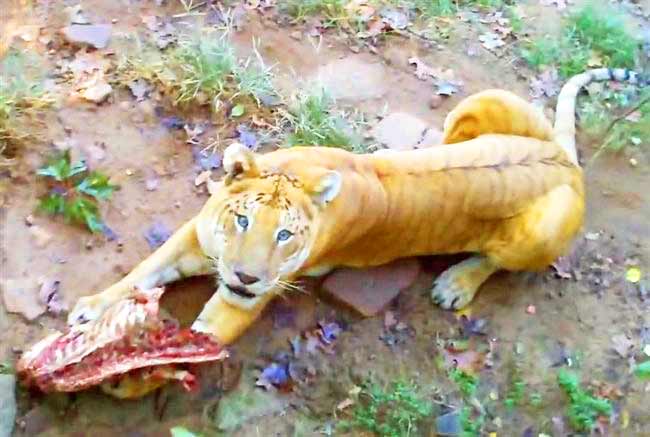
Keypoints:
pixel 505 185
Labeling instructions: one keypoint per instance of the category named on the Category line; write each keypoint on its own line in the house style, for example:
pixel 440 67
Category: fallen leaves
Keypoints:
pixel 140 89
pixel 50 297
pixel 88 71
pixel 560 4
pixel 623 345
pixel 164 32
pixel 491 41
pixel 633 275
pixel 444 80
pixel 546 84
pixel 287 370
pixel 157 234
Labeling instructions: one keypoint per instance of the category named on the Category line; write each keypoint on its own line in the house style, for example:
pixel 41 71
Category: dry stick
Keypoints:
pixel 616 120
pixel 626 114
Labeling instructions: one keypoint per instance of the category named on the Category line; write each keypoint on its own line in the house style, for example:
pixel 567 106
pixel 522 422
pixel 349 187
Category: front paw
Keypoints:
pixel 451 292
pixel 88 308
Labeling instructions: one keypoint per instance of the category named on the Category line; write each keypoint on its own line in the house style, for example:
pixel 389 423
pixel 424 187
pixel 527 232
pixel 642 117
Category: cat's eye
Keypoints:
pixel 241 221
pixel 284 235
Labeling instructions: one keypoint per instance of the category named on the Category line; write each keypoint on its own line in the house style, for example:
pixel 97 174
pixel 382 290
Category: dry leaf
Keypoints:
pixel 345 404
pixel 546 84
pixel 491 41
pixel 595 60
pixel 560 4
pixel 622 345
pixel 422 70
pixel 202 178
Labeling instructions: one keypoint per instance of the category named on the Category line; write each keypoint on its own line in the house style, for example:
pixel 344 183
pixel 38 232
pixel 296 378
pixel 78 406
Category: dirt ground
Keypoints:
pixel 536 322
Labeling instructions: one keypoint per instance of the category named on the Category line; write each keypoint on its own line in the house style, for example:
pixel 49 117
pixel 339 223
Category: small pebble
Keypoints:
pixel 531 310
pixel 436 101
pixel 296 34
pixel 129 172
pixel 634 162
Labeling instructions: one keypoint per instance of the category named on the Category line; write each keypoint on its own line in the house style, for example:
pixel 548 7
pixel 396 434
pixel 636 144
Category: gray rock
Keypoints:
pixel 448 424
pixel 352 79
pixel 400 131
pixel 431 137
pixel 94 35
pixel 370 290
pixel 21 296
pixel 7 404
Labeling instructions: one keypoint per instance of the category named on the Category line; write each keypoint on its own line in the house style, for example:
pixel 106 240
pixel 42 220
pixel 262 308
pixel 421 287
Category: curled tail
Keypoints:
pixel 564 130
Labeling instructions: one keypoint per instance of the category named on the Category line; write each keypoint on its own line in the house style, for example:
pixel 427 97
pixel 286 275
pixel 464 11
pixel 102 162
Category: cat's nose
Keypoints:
pixel 246 279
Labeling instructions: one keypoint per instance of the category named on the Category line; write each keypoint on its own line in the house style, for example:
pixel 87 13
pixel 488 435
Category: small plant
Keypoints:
pixel 201 70
pixel 591 36
pixel 21 96
pixel 333 11
pixel 466 383
pixel 618 118
pixel 74 192
pixel 470 422
pixel 643 370
pixel 603 30
pixel 584 408
pixel 392 413
pixel 6 368
pixel 314 123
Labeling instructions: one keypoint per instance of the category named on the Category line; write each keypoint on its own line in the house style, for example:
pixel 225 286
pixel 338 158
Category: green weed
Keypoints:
pixel 74 192
pixel 314 122
pixel 584 408
pixel 181 431
pixel 6 369
pixel 643 370
pixel 21 97
pixel 603 30
pixel 593 35
pixel 471 421
pixel 437 8
pixel 201 70
pixel 333 11
pixel 466 383
pixel 600 118
pixel 394 412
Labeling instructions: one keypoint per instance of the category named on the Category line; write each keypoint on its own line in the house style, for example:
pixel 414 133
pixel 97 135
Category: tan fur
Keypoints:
pixel 503 190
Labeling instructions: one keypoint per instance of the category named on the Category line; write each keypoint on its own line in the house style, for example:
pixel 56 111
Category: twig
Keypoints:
pixel 626 114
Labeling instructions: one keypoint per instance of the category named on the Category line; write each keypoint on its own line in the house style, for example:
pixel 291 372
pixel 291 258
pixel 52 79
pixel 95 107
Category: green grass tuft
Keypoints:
pixel 314 122
pixel 590 33
pixel 584 408
pixel 74 192
pixel 201 70
pixel 22 96
pixel 392 412
pixel 333 11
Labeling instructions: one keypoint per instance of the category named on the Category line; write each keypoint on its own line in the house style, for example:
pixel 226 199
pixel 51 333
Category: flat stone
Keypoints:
pixel 98 92
pixel 432 137
pixel 352 79
pixel 7 404
pixel 94 35
pixel 448 424
pixel 368 291
pixel 21 296
pixel 399 131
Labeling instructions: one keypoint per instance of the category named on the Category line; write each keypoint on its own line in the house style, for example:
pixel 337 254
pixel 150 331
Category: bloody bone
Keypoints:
pixel 129 341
